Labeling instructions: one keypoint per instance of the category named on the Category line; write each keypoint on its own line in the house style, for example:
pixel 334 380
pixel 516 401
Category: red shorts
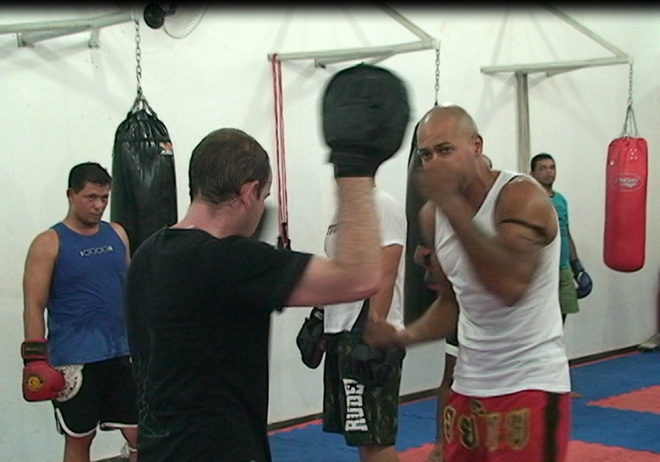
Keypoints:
pixel 528 426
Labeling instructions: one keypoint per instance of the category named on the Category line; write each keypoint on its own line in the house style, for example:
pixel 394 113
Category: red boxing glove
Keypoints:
pixel 41 381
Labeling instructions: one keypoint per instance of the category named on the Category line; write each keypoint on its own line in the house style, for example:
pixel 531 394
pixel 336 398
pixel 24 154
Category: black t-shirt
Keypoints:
pixel 198 313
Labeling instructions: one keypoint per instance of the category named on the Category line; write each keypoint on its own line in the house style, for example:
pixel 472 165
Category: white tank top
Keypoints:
pixel 504 349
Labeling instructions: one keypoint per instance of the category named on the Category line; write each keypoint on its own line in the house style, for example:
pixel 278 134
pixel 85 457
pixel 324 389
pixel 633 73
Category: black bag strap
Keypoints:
pixel 362 317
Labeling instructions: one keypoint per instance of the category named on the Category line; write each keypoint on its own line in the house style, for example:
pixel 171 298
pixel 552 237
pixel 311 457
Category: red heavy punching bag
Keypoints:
pixel 625 199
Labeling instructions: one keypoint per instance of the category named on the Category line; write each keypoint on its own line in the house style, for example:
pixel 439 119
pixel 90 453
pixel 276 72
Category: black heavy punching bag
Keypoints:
pixel 143 197
pixel 417 296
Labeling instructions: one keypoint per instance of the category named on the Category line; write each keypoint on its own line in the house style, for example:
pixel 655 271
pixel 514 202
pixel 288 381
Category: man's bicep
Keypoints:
pixel 525 218
pixel 39 266
pixel 392 255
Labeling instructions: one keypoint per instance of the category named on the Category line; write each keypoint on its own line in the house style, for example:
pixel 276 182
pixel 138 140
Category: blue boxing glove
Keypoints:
pixel 582 279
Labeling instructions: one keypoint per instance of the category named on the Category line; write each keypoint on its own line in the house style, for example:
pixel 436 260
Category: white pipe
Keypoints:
pixel 27 39
pixel 587 32
pixel 353 53
pixel 406 23
pixel 67 24
pixel 556 66
pixel 321 58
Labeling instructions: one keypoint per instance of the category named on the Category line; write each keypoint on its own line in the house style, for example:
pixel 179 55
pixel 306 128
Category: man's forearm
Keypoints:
pixel 358 241
pixel 439 321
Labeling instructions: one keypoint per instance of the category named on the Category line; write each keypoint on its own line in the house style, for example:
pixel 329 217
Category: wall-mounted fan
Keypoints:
pixel 177 20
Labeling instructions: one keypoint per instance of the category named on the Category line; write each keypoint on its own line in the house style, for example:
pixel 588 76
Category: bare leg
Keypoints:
pixel 437 454
pixel 574 394
pixel 77 449
pixel 377 453
pixel 131 437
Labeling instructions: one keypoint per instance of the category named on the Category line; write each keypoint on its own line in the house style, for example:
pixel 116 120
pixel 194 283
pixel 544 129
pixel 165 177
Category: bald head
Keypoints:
pixel 445 130
pixel 463 124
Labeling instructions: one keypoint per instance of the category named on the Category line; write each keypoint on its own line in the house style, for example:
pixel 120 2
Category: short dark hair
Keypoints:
pixel 539 157
pixel 88 172
pixel 222 162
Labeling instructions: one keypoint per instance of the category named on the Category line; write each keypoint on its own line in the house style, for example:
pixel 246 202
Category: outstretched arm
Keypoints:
pixel 356 271
pixel 438 321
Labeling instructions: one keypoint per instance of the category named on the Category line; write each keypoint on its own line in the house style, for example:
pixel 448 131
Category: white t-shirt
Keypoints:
pixel 392 218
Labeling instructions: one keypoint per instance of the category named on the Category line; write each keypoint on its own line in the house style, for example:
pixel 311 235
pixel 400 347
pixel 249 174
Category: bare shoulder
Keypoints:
pixel 524 192
pixel 45 244
pixel 524 200
pixel 119 229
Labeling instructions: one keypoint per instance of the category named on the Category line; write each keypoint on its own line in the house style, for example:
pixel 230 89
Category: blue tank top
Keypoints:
pixel 86 301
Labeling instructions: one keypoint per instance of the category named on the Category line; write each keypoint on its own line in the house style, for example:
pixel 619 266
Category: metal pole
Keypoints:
pixel 522 100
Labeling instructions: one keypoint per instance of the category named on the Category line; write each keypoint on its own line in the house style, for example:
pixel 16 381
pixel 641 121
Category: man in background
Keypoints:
pixel 371 424
pixel 571 270
pixel 75 271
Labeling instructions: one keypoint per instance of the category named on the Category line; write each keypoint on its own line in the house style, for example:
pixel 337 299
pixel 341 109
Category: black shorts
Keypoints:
pixel 365 414
pixel 107 399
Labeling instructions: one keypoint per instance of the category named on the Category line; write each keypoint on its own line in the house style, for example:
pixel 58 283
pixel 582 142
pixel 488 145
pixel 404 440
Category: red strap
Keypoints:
pixel 283 214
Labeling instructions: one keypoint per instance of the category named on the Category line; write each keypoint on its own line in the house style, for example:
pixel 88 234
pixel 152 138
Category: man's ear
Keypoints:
pixel 250 192
pixel 478 143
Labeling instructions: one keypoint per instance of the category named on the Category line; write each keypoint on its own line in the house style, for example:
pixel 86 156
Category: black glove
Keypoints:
pixel 582 279
pixel 365 114
pixel 311 340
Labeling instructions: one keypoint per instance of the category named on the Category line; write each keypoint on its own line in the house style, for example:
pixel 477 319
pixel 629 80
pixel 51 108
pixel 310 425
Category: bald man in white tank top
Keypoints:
pixel 497 242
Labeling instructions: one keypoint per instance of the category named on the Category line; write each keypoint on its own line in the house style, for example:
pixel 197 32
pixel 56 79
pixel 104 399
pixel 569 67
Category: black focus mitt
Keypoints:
pixel 365 114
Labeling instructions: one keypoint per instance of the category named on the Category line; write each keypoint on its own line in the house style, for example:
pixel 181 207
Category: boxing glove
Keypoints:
pixel 365 113
pixel 311 339
pixel 583 281
pixel 41 381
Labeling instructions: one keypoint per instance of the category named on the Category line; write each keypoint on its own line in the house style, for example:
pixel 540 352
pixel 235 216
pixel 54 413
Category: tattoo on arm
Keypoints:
pixel 537 229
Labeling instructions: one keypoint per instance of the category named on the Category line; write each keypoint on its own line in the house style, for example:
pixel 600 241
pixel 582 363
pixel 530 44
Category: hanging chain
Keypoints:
pixel 138 55
pixel 437 74
pixel 630 124
pixel 630 84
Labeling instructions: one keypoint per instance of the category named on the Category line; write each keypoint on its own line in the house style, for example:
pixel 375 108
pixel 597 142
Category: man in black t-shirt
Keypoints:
pixel 200 294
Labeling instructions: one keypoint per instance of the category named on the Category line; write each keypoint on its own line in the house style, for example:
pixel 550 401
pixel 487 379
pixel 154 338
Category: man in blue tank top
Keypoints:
pixel 74 274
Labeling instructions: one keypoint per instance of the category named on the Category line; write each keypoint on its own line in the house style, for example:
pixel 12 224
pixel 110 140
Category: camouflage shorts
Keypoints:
pixel 365 414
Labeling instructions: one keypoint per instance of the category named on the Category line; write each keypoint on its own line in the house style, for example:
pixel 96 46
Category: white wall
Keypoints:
pixel 61 102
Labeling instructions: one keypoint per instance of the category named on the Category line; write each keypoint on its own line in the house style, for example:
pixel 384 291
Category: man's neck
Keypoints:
pixel 549 190
pixel 81 228
pixel 219 222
